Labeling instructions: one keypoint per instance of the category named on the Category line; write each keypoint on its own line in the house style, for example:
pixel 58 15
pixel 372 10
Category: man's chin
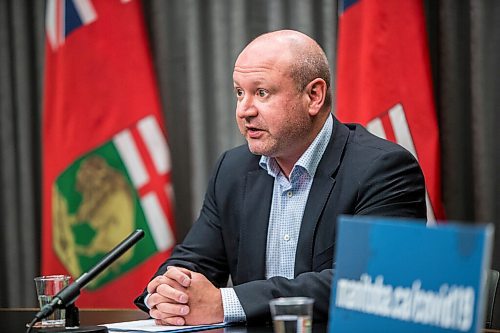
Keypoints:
pixel 254 149
pixel 259 150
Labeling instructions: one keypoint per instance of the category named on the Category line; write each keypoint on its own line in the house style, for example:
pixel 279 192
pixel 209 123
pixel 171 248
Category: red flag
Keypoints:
pixel 106 162
pixel 384 81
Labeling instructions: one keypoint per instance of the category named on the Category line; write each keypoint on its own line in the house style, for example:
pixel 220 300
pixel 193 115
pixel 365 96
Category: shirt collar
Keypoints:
pixel 310 159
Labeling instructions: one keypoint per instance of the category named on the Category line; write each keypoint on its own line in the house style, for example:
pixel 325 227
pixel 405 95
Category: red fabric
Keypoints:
pixel 383 60
pixel 97 83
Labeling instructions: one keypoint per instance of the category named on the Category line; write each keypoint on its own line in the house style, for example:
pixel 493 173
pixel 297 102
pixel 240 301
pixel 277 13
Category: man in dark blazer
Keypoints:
pixel 283 109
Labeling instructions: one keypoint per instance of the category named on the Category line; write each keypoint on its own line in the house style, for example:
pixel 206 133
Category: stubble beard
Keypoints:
pixel 294 132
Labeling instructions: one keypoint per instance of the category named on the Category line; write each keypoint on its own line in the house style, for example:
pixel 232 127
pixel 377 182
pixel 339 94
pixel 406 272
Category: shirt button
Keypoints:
pixel 289 194
pixel 286 237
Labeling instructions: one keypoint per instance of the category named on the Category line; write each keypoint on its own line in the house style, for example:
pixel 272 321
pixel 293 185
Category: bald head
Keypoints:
pixel 297 54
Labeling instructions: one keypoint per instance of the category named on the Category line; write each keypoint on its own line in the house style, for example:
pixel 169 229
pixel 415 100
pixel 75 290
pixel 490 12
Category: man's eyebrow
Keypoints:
pixel 253 82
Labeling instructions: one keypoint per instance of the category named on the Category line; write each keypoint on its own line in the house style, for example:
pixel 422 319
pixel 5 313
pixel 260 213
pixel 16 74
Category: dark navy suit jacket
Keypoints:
pixel 358 174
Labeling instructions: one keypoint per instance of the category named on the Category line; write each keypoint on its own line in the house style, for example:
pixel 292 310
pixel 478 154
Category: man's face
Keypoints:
pixel 271 114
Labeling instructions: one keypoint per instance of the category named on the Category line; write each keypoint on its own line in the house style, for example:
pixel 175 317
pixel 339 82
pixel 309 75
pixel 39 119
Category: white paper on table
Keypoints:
pixel 148 325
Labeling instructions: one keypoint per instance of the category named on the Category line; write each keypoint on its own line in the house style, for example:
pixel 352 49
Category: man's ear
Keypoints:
pixel 316 92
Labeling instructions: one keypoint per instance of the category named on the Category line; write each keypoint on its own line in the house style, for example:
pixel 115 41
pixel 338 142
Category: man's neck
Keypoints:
pixel 286 164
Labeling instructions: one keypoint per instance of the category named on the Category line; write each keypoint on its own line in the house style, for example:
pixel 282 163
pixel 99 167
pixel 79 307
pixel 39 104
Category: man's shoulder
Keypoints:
pixel 361 140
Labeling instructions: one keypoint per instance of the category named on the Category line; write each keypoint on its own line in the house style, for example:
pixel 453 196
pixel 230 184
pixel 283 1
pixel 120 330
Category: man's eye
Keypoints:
pixel 239 92
pixel 262 92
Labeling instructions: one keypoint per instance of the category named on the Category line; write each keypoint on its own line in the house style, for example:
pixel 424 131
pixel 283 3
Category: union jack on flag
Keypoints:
pixel 64 16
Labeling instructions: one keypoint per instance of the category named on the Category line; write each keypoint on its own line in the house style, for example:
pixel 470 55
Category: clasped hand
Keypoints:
pixel 184 297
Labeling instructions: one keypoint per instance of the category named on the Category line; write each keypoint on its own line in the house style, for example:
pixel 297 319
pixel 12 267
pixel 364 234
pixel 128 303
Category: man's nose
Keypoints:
pixel 246 108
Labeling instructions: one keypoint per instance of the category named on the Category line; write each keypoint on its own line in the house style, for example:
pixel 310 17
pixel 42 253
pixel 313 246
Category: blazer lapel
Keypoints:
pixel 322 186
pixel 253 234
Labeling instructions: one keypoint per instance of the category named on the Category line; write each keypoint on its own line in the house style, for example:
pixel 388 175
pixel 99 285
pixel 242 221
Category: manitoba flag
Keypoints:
pixel 384 81
pixel 106 161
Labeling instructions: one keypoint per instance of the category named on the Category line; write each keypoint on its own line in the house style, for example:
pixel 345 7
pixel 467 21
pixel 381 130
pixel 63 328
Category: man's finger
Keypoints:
pixel 153 284
pixel 171 293
pixel 166 318
pixel 185 271
pixel 173 309
pixel 153 299
pixel 173 321
pixel 179 274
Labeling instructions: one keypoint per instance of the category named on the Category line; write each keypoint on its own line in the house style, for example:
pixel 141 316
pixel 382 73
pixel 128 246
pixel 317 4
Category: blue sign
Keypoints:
pixel 398 275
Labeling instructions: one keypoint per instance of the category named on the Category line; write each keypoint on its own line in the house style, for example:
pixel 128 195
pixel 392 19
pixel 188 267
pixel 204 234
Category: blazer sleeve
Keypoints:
pixel 254 296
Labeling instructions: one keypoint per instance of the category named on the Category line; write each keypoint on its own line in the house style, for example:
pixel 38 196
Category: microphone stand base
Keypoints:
pixel 81 329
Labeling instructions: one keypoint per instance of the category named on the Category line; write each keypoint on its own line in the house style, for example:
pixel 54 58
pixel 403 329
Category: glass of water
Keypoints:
pixel 292 314
pixel 46 288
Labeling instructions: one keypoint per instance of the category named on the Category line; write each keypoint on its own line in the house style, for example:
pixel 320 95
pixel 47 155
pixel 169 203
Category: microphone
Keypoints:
pixel 70 293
